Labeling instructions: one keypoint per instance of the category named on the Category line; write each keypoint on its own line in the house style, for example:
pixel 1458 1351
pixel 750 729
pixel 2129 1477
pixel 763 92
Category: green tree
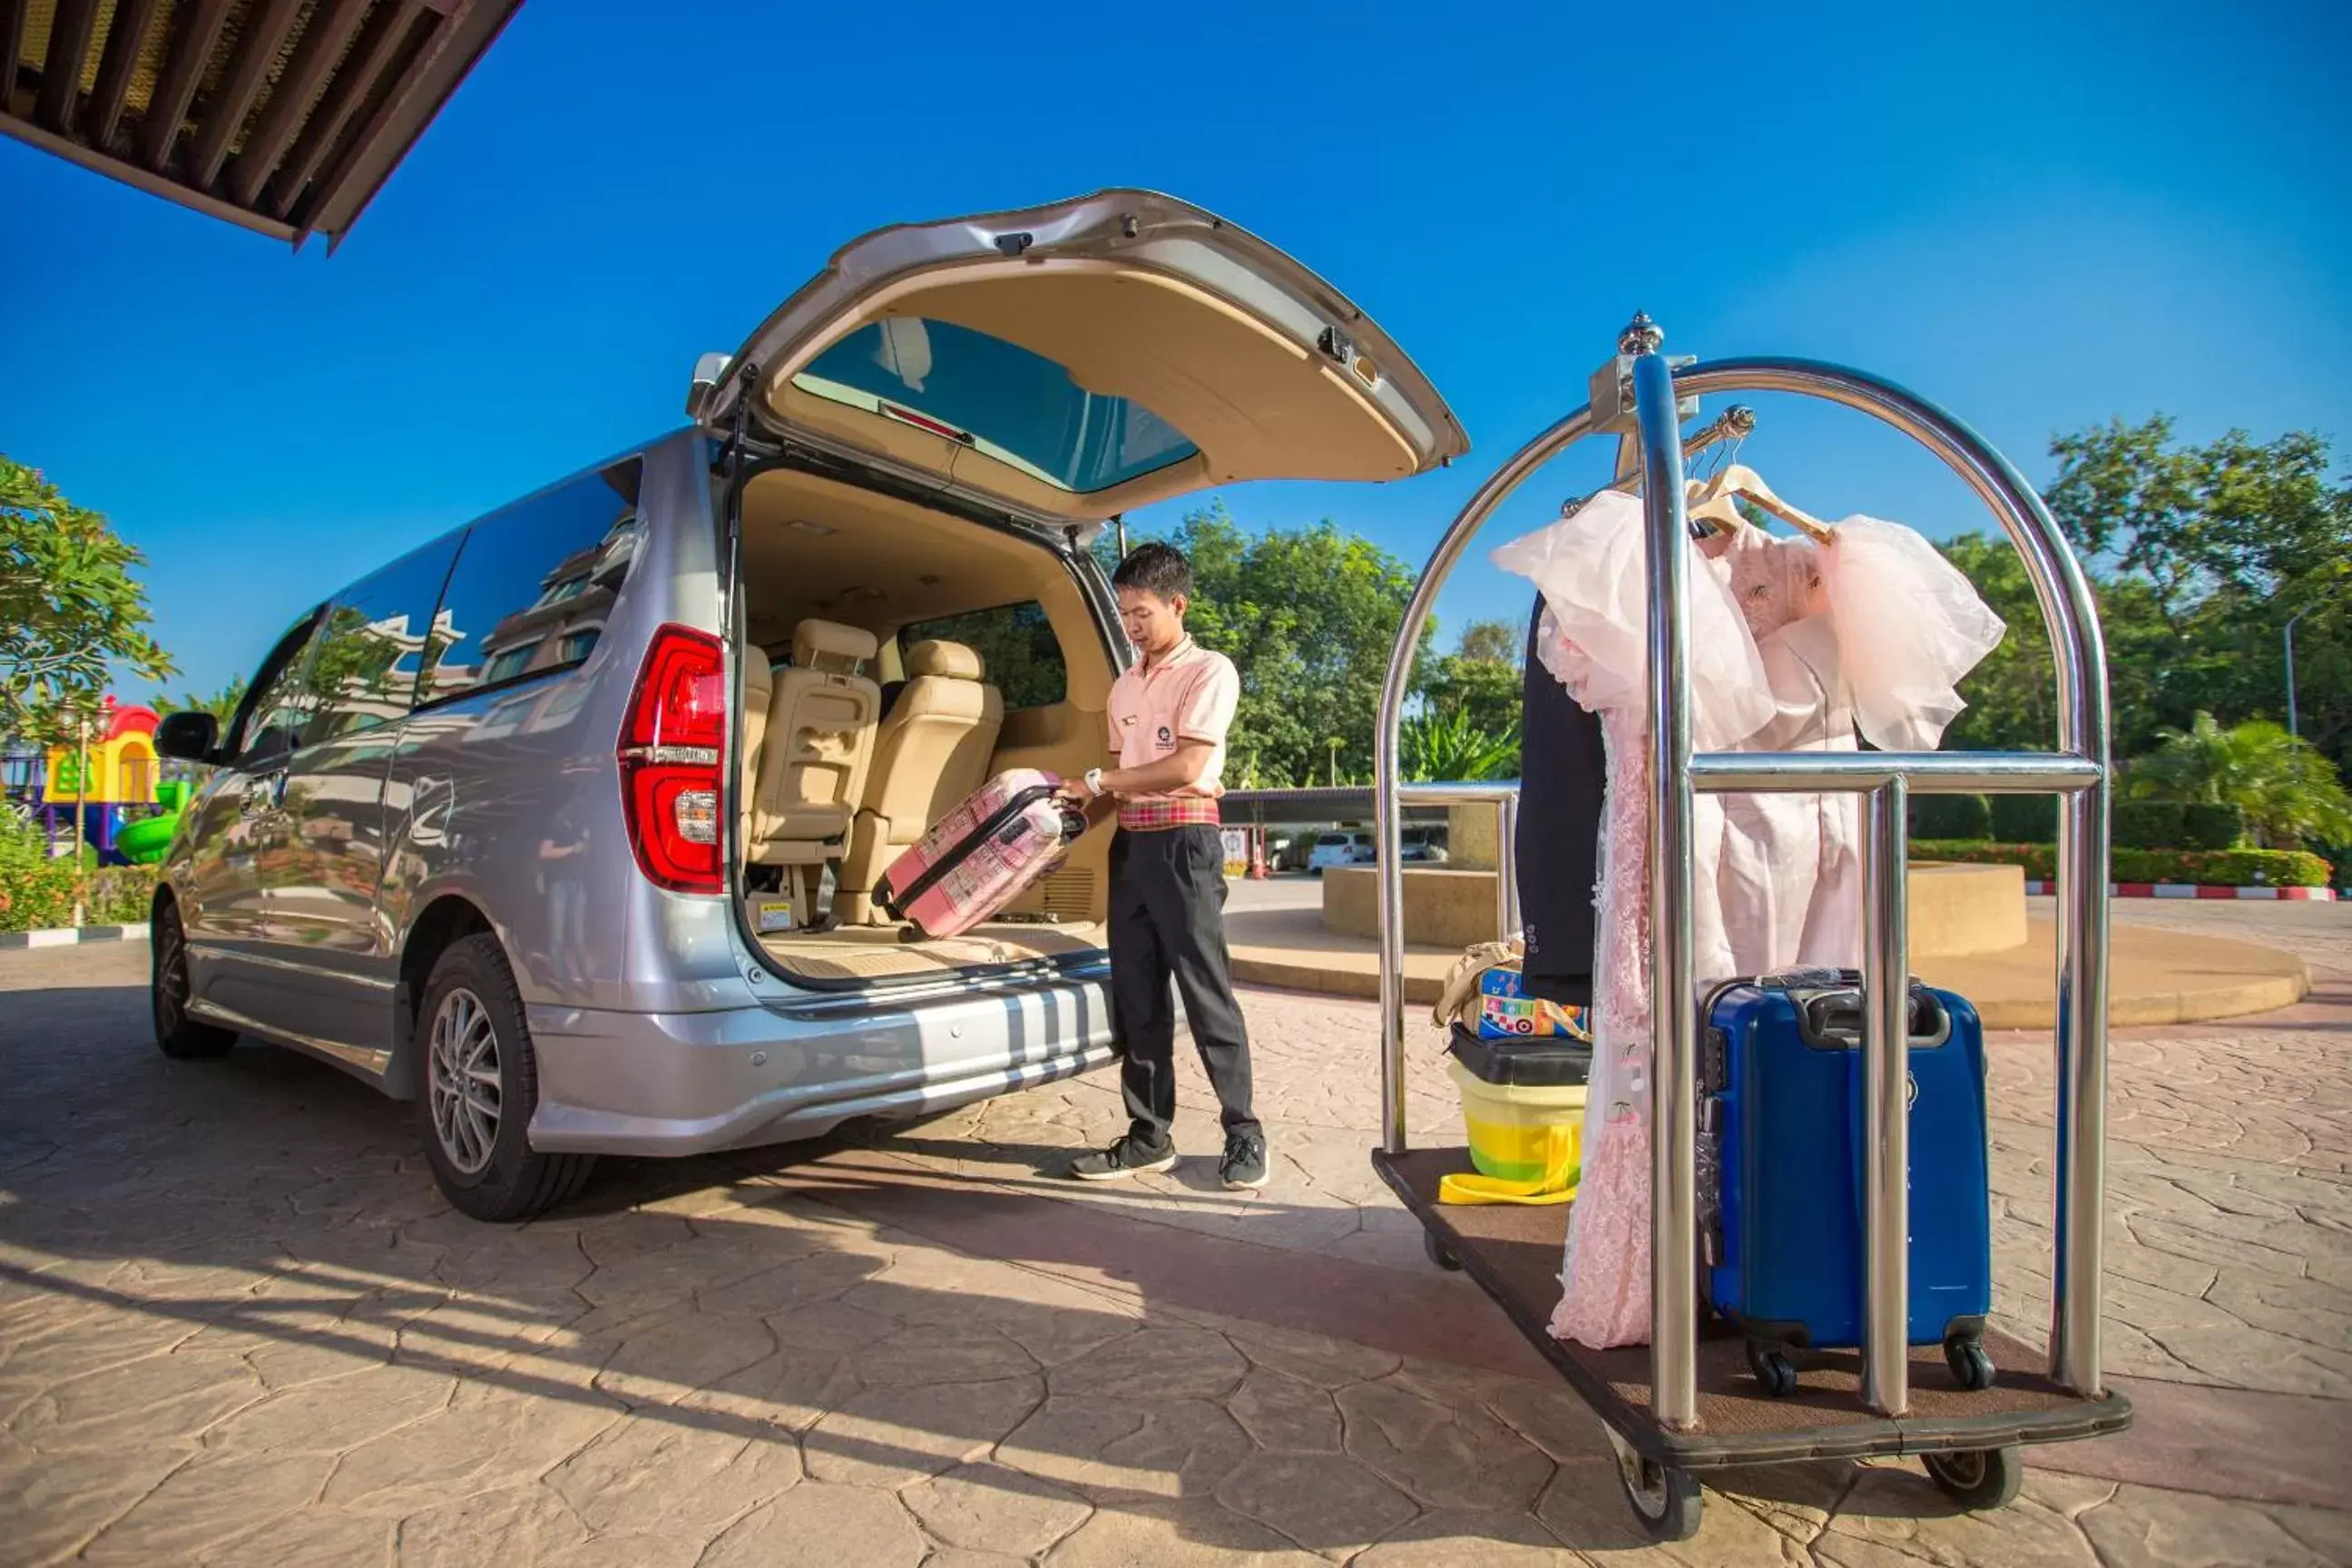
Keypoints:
pixel 2013 695
pixel 1481 678
pixel 2229 540
pixel 1494 642
pixel 1309 616
pixel 2291 796
pixel 70 610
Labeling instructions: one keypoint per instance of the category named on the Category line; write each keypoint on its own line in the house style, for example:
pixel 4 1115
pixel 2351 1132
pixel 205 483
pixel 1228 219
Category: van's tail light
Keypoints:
pixel 673 755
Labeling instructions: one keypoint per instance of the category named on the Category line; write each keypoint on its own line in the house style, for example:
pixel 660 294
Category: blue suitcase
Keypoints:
pixel 1781 1144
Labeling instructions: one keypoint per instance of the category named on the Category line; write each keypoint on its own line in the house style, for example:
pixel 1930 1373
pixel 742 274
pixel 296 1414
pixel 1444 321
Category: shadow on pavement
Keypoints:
pixel 272 1221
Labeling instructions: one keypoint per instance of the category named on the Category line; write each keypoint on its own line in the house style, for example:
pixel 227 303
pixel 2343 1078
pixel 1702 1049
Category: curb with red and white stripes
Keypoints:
pixel 2192 890
pixel 67 936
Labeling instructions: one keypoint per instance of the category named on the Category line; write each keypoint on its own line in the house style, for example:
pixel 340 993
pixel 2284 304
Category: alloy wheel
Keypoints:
pixel 466 1089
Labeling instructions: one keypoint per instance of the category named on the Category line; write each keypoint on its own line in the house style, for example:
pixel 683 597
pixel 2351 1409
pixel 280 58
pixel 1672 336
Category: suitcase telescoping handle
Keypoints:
pixel 1019 800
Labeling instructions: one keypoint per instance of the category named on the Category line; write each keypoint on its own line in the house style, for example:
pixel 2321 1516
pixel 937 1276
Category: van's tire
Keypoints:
pixel 177 1035
pixel 476 1086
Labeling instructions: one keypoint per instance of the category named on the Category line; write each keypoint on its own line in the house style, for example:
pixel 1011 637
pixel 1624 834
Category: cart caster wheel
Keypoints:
pixel 1774 1370
pixel 1666 1499
pixel 1439 1253
pixel 1978 1479
pixel 1971 1367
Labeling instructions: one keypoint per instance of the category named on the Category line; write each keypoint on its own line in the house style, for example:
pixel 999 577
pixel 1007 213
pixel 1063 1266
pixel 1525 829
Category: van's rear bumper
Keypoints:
pixel 688 1083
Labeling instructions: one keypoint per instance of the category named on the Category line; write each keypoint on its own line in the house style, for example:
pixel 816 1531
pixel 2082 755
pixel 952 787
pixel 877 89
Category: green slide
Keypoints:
pixel 142 843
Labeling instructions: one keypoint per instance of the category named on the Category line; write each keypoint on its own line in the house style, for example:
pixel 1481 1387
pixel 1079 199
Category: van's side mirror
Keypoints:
pixel 188 737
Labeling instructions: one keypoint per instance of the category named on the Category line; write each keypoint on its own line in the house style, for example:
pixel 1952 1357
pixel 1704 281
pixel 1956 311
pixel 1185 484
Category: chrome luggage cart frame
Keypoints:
pixel 1687 1403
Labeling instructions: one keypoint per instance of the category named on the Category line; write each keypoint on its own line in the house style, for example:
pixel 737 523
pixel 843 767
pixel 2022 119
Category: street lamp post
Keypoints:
pixel 2292 728
pixel 81 822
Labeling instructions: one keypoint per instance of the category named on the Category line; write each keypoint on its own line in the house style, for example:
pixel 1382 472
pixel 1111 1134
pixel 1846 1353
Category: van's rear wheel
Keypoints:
pixel 476 1085
pixel 177 1035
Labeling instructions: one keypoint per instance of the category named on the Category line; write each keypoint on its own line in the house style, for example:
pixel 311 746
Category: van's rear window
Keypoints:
pixel 1010 404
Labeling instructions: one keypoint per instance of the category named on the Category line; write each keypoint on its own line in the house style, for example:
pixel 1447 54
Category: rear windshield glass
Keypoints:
pixel 1018 407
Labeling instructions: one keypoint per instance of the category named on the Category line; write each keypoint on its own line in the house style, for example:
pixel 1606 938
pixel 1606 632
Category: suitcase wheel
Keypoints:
pixel 1971 1367
pixel 1775 1373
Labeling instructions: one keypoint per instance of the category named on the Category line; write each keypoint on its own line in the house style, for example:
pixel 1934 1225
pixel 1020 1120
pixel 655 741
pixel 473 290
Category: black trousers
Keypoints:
pixel 1167 923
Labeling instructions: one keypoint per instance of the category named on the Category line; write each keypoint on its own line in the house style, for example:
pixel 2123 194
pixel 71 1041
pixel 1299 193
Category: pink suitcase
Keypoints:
pixel 981 856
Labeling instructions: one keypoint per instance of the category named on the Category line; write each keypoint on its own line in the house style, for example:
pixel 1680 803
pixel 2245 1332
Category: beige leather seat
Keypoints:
pixel 931 753
pixel 759 690
pixel 813 760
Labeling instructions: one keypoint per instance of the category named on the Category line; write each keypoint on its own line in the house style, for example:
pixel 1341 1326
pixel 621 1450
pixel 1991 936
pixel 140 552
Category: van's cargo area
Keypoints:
pixel 879 953
pixel 896 658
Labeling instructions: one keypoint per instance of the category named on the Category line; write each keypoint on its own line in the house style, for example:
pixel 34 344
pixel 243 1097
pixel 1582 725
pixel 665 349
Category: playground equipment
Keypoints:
pixel 143 842
pixel 119 796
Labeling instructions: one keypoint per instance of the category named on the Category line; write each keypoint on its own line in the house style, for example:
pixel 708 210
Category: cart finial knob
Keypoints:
pixel 1641 336
pixel 1739 420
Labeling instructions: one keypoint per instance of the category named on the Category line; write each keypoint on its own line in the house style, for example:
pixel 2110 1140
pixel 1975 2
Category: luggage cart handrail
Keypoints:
pixel 1927 773
pixel 2078 772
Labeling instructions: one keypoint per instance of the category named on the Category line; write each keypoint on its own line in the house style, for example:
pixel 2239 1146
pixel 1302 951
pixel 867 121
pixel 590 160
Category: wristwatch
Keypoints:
pixel 1094 782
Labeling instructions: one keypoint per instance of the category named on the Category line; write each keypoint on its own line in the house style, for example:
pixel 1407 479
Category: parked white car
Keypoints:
pixel 1340 849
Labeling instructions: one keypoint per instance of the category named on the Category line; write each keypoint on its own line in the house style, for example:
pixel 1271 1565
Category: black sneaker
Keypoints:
pixel 1123 1159
pixel 1244 1167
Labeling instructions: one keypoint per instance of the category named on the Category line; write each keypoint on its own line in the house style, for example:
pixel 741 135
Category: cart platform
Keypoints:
pixel 1513 1252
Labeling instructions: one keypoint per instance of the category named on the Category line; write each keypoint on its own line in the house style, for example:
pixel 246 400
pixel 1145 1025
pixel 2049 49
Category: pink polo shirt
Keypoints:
pixel 1189 695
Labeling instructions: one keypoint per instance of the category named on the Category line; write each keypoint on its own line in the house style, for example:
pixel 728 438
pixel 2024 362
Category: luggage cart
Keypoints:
pixel 1689 1403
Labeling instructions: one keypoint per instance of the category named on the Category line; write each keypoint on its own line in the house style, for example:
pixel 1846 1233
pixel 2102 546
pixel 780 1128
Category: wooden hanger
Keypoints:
pixel 1738 479
pixel 1719 512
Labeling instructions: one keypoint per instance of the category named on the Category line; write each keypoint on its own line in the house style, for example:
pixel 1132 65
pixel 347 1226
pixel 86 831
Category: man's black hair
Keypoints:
pixel 1156 568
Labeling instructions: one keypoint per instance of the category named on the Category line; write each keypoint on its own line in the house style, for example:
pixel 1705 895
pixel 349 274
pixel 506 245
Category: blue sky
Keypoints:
pixel 2043 215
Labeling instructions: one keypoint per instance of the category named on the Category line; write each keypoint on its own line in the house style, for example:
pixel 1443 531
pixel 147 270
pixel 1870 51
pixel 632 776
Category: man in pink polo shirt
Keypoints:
pixel 1169 716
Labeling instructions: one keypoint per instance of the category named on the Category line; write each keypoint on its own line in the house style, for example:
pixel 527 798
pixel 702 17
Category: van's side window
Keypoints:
pixel 279 707
pixel 533 584
pixel 1017 644
pixel 372 644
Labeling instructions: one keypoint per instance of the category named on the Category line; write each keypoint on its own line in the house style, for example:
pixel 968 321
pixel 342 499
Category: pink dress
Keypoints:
pixel 1872 632
pixel 1591 570
pixel 1790 646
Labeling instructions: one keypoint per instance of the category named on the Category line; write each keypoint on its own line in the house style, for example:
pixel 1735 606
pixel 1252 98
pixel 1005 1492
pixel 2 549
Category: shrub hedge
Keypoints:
pixel 2033 819
pixel 2025 818
pixel 2175 824
pixel 2204 826
pixel 39 896
pixel 1951 816
pixel 2207 868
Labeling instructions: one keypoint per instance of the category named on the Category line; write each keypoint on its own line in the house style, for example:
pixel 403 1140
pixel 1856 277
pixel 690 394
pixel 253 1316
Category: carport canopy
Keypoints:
pixel 285 116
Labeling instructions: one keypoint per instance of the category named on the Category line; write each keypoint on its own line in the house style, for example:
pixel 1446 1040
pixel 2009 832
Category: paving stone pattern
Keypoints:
pixel 238 1326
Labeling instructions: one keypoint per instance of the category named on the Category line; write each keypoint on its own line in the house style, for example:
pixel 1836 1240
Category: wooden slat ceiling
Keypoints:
pixel 286 116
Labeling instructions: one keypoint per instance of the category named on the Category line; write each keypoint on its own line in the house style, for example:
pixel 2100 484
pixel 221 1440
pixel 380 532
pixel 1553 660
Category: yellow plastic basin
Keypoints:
pixel 1523 1134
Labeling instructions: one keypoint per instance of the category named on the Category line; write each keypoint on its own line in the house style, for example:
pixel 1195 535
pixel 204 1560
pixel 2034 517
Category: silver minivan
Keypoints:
pixel 568 824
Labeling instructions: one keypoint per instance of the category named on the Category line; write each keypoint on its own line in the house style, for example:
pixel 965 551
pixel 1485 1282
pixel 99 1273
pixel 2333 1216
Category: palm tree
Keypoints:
pixel 1448 747
pixel 2290 793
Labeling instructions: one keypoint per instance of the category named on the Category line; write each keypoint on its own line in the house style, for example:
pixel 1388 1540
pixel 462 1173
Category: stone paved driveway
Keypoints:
pixel 238 1326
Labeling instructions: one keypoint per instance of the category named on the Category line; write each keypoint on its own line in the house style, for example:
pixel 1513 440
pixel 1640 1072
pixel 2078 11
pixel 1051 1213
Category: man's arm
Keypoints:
pixel 1180 769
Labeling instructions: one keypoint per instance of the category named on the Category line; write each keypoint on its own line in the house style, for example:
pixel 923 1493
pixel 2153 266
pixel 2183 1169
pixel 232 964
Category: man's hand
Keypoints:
pixel 1074 791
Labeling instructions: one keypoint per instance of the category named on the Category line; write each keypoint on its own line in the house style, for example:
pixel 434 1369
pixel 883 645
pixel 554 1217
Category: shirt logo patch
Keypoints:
pixel 1166 737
